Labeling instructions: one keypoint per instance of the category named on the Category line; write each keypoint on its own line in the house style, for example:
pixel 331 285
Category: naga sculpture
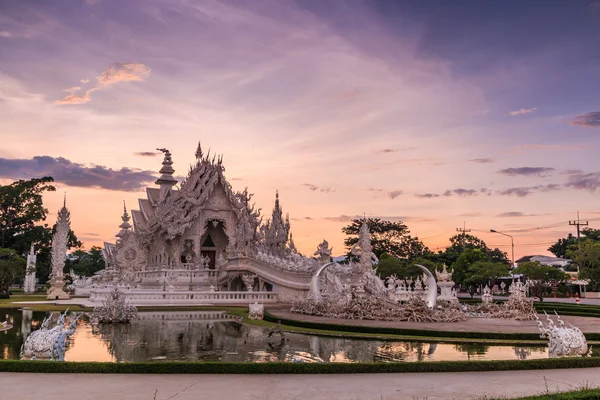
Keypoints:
pixel 50 343
pixel 564 339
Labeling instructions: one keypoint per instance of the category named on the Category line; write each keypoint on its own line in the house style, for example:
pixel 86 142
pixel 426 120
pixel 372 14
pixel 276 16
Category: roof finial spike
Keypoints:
pixel 124 207
pixel 65 200
pixel 199 152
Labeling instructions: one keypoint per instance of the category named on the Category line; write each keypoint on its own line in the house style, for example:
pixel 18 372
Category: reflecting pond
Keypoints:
pixel 214 336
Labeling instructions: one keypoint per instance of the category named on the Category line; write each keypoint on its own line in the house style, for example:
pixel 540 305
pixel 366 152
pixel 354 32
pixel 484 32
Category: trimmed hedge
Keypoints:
pixel 589 394
pixel 410 332
pixel 291 368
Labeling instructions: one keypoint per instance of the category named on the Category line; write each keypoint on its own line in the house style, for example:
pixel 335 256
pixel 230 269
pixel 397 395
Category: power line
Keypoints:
pixel 578 224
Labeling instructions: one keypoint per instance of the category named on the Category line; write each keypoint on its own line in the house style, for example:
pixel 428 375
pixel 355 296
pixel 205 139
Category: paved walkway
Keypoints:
pixel 586 324
pixel 416 386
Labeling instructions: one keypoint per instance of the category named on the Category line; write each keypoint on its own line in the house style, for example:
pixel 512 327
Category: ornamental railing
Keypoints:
pixel 179 297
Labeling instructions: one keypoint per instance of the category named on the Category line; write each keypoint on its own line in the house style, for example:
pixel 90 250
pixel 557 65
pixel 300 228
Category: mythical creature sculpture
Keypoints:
pixel 564 340
pixel 114 309
pixel 50 342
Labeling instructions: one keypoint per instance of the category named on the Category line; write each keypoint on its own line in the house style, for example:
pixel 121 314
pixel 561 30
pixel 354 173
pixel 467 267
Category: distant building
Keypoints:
pixel 546 260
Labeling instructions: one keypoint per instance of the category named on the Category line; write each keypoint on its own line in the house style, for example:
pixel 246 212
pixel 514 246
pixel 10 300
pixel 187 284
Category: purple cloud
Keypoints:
pixel 78 175
pixel 527 171
pixel 589 120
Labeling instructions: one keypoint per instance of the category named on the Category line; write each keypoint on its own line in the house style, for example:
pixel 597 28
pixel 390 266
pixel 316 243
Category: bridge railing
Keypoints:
pixel 184 297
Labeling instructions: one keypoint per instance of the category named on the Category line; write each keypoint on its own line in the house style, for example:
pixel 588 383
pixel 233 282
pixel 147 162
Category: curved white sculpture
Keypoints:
pixel 315 283
pixel 564 340
pixel 432 293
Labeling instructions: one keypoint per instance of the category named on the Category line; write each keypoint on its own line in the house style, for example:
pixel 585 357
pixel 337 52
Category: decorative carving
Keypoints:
pixel 114 309
pixel 30 279
pixel 486 297
pixel 59 254
pixel 564 340
pixel 256 311
pixel 324 252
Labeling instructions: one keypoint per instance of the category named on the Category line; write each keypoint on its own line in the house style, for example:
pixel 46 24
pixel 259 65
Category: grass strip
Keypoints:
pixel 584 394
pixel 163 367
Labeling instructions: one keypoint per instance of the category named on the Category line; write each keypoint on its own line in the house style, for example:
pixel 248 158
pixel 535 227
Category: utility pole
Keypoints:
pixel 464 231
pixel 578 224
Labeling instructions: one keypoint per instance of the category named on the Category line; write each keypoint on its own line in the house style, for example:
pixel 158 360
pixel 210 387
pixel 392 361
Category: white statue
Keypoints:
pixel 324 252
pixel 59 254
pixel 564 340
pixel 486 297
pixel 30 279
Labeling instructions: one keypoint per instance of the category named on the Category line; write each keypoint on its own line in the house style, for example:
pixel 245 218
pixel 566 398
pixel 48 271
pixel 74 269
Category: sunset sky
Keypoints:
pixel 436 113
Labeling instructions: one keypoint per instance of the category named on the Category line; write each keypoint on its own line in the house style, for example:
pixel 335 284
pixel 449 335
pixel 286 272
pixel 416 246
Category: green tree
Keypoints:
pixel 460 269
pixel 22 214
pixel 386 237
pixel 485 272
pixel 586 255
pixel 21 209
pixel 389 265
pixel 463 241
pixel 12 267
pixel 539 276
pixel 560 248
pixel 85 263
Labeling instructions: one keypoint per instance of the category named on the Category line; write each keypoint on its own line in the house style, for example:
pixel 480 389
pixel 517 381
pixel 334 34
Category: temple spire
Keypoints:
pixel 125 225
pixel 166 180
pixel 199 153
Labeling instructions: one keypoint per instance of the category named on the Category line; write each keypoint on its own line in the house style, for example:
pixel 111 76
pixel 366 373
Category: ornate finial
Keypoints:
pixel 166 171
pixel 125 225
pixel 65 201
pixel 199 153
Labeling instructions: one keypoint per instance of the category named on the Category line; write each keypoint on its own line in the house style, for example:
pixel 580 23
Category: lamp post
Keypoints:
pixel 512 244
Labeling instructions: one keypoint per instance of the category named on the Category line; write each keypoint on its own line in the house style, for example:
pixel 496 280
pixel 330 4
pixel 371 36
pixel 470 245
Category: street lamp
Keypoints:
pixel 512 243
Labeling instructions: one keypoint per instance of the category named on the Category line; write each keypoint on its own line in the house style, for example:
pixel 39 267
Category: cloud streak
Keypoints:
pixel 527 171
pixel 522 111
pixel 119 72
pixel 78 175
pixel 315 188
pixel 589 120
pixel 526 191
pixel 513 214
pixel 146 154
pixel 482 160
pixel 583 181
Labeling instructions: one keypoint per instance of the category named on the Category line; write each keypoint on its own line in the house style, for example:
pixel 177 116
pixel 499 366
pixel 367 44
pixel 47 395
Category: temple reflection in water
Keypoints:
pixel 216 336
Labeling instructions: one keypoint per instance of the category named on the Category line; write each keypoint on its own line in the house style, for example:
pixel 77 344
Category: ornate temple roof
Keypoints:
pixel 169 211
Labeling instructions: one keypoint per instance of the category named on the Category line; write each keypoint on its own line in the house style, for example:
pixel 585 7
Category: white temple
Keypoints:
pixel 202 244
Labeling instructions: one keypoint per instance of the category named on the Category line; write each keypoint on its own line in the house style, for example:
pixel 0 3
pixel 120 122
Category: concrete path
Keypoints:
pixel 586 324
pixel 430 386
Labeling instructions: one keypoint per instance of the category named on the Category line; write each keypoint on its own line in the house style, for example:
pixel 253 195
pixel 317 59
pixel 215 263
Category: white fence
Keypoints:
pixel 184 297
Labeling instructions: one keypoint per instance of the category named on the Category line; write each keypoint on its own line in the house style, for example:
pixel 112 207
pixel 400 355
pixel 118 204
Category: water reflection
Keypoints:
pixel 214 336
